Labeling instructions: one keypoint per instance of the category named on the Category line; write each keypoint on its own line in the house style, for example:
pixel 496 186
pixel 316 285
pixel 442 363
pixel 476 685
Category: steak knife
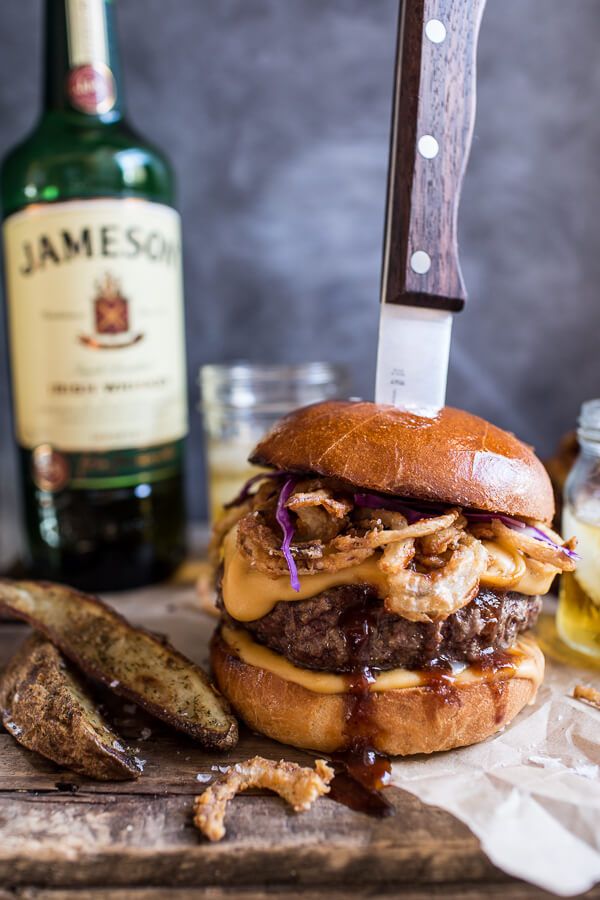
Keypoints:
pixel 433 116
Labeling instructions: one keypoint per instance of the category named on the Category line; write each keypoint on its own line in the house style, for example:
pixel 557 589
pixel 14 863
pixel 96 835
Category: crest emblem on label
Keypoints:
pixel 91 88
pixel 111 318
pixel 50 468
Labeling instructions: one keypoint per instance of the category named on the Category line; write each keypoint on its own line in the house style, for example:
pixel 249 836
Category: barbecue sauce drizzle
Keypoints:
pixel 362 772
pixel 489 664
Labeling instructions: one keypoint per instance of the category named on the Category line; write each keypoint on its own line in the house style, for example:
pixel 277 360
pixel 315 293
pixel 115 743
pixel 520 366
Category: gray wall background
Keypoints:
pixel 276 115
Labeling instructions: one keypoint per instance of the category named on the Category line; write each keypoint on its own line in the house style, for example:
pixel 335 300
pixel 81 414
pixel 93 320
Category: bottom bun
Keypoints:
pixel 400 722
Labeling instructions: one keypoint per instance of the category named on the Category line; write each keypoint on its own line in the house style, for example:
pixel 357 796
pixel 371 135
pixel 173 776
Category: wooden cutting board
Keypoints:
pixel 63 837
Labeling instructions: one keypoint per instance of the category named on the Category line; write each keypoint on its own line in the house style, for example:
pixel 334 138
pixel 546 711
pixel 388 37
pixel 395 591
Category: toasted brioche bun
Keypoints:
pixel 402 722
pixel 455 458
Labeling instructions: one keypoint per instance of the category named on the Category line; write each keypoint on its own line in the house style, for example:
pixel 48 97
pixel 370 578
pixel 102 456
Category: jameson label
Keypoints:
pixel 53 470
pixel 90 83
pixel 97 338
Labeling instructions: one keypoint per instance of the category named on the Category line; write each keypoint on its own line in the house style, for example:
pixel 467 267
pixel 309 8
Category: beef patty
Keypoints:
pixel 348 626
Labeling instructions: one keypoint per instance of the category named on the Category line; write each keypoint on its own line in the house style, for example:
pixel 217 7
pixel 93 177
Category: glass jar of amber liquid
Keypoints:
pixel 578 618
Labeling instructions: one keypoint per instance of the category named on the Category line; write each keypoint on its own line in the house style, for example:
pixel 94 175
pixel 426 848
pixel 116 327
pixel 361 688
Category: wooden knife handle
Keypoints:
pixel 432 127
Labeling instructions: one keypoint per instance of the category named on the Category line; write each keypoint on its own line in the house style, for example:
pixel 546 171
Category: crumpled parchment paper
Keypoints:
pixel 531 794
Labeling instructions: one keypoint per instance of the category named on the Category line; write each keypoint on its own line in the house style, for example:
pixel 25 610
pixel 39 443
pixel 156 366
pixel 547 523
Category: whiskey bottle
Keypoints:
pixel 95 322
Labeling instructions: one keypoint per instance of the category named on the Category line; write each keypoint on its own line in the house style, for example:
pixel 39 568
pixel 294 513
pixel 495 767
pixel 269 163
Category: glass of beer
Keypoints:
pixel 241 401
pixel 578 617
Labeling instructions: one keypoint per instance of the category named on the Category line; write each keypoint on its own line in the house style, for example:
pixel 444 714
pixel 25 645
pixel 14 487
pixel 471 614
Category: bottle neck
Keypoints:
pixel 82 70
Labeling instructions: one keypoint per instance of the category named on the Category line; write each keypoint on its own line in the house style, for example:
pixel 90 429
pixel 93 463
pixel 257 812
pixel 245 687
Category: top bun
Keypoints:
pixel 454 458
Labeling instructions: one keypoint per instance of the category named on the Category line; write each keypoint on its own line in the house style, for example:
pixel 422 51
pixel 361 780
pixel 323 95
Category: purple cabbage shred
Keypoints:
pixel 284 521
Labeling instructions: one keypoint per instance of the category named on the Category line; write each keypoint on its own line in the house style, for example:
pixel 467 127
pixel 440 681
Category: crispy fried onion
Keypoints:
pixel 297 785
pixel 376 519
pixel 381 537
pixel 533 547
pixel 265 495
pixel 445 539
pixel 320 515
pixel 587 694
pixel 431 596
pixel 222 526
pixel 310 499
pixel 261 546
pixel 433 566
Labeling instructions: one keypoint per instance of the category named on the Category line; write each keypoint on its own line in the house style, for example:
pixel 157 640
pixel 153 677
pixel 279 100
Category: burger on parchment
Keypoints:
pixel 377 585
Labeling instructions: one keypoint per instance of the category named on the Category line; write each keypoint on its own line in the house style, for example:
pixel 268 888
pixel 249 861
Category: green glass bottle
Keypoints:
pixel 95 322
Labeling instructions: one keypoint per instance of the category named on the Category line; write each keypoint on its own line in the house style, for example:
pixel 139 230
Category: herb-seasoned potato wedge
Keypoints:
pixel 130 661
pixel 46 707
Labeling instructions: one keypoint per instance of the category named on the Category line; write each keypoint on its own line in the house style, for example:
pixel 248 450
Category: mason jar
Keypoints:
pixel 578 617
pixel 241 401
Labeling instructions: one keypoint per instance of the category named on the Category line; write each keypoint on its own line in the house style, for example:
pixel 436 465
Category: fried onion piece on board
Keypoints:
pixel 587 694
pixel 130 661
pixel 297 785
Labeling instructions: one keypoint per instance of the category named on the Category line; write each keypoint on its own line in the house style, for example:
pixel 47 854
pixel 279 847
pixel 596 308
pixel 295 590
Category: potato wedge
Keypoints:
pixel 46 707
pixel 130 661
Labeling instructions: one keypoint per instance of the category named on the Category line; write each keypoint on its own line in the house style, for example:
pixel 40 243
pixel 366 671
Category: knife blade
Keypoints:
pixel 433 116
pixel 412 359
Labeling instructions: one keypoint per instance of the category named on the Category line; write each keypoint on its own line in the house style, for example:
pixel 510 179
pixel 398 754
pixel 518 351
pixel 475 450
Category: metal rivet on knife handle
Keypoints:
pixel 420 262
pixel 435 31
pixel 428 146
pixel 432 125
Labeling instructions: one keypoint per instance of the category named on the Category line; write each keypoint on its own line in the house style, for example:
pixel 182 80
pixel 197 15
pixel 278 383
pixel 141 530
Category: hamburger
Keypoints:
pixel 377 582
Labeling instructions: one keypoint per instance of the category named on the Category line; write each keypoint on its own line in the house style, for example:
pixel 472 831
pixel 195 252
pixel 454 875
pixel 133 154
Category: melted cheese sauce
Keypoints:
pixel 250 595
pixel 509 570
pixel 526 665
